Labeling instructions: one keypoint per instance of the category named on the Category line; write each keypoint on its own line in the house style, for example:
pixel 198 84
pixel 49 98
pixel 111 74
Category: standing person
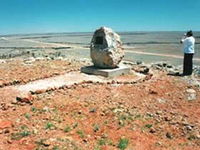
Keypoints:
pixel 188 48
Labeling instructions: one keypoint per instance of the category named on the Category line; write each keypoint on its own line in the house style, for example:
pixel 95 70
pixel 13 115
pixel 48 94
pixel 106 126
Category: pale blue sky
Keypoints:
pixel 39 16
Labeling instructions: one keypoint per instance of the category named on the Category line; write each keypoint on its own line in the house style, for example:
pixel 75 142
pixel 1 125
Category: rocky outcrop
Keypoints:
pixel 106 48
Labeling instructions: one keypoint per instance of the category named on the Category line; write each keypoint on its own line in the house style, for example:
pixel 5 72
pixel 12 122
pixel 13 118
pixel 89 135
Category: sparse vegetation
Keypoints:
pixel 56 148
pixel 75 125
pixel 50 126
pixel 33 109
pixel 97 148
pixel 104 141
pixel 80 133
pixel 27 116
pixel 96 127
pixel 21 134
pixel 67 128
pixel 148 126
pixel 123 143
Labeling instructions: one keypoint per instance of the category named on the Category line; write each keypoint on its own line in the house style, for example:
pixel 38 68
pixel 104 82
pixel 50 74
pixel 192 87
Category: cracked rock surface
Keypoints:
pixel 106 48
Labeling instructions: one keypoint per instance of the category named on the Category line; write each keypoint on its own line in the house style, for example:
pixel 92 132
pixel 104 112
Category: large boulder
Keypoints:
pixel 106 48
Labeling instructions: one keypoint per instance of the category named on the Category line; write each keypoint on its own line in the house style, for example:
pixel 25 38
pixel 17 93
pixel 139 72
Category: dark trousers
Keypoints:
pixel 187 64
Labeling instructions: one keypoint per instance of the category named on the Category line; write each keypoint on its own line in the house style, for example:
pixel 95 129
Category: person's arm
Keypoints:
pixel 183 38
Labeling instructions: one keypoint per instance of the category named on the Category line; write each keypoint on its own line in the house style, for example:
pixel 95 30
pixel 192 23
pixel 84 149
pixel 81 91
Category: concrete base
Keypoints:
pixel 121 70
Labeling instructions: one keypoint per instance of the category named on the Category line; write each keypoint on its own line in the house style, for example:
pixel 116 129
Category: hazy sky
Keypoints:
pixel 36 16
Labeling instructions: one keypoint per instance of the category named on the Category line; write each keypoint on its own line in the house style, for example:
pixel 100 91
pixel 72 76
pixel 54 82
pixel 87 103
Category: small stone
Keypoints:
pixel 191 94
pixel 126 82
pixel 167 118
pixel 39 58
pixel 3 106
pixel 2 61
pixel 29 60
pixel 102 114
pixel 169 66
pixel 144 70
pixel 79 112
pixel 47 143
pixel 190 91
pixel 161 100
pixel 47 109
pixel 152 91
pixel 171 71
pixel 158 143
pixel 59 58
pixel 118 110
pixel 188 127
pixel 93 110
pixel 152 130
pixel 113 81
pixel 121 122
pixel 158 112
pixel 6 131
pixel 169 135
pixel 150 114
pixel 115 85
pixel 39 91
pixel 139 62
pixel 35 131
pixel 14 101
pixel 9 141
pixel 198 136
pixel 25 98
pixel 85 140
pixel 5 124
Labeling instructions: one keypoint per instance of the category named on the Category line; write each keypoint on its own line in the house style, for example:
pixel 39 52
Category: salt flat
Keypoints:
pixel 139 46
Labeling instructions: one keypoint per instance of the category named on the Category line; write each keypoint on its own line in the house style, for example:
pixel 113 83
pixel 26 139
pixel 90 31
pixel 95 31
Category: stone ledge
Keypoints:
pixel 121 70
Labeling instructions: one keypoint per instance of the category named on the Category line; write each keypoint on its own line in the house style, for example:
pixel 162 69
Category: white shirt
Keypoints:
pixel 188 45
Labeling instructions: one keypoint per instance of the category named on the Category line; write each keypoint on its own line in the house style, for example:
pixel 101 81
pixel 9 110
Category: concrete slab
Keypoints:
pixel 10 93
pixel 67 79
pixel 121 70
pixel 24 93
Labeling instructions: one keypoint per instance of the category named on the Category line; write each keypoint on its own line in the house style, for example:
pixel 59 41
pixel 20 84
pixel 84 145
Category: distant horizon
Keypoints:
pixel 13 34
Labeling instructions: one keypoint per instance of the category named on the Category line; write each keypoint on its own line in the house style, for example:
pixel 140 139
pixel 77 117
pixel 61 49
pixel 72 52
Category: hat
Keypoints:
pixel 190 33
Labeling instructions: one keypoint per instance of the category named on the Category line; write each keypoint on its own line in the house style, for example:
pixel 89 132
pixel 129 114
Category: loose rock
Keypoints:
pixel 5 124
pixel 191 94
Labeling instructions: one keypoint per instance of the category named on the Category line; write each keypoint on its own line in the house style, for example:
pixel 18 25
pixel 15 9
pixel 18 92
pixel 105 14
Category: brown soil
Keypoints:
pixel 149 115
pixel 15 72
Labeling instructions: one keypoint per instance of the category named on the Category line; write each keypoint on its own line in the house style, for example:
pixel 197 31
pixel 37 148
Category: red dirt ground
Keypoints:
pixel 150 115
pixel 15 72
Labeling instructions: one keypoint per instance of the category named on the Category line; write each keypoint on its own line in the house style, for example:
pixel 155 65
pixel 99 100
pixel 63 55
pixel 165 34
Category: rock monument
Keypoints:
pixel 106 48
pixel 106 53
